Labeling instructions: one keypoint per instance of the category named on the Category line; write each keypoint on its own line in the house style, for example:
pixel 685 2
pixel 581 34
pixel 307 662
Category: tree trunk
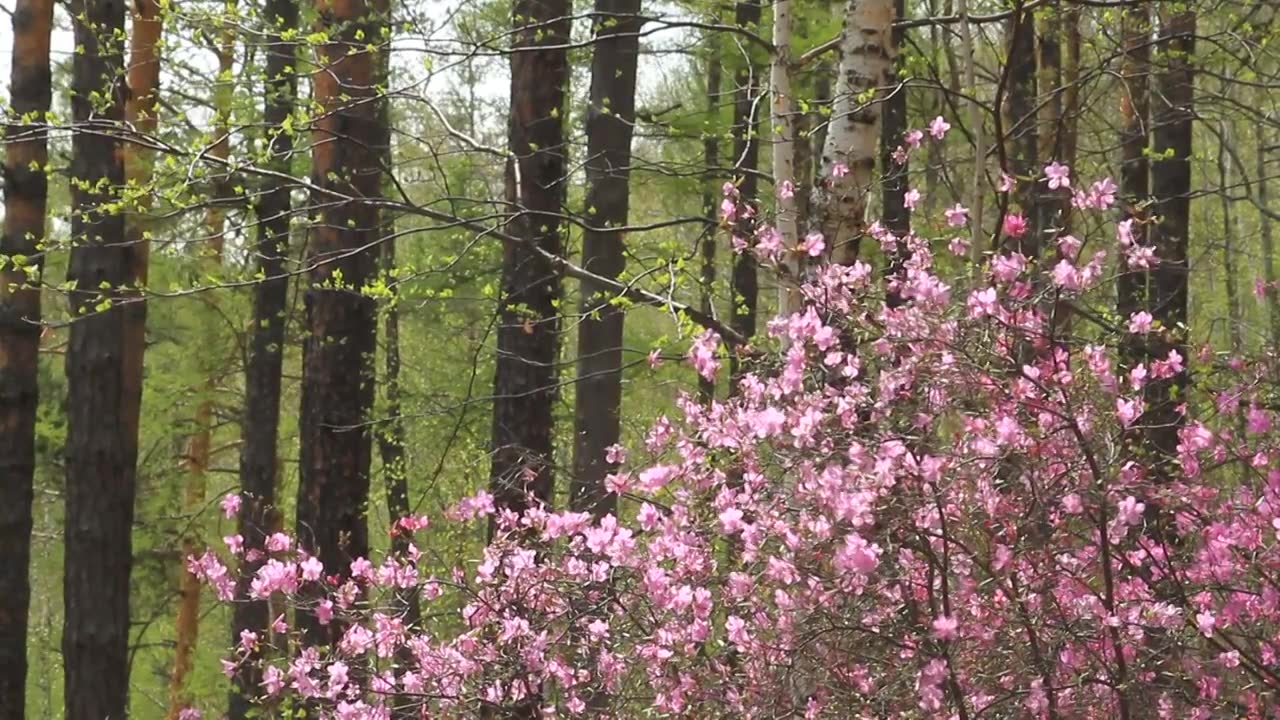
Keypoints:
pixel 26 189
pixel 897 216
pixel 784 120
pixel 102 440
pixel 1272 289
pixel 260 425
pixel 196 460
pixel 1135 182
pixel 610 119
pixel 337 354
pixel 1021 133
pixel 710 199
pixel 525 374
pixel 866 59
pixel 744 282
pixel 1172 121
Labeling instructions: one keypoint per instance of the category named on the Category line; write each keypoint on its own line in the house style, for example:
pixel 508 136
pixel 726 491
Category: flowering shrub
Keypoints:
pixel 940 507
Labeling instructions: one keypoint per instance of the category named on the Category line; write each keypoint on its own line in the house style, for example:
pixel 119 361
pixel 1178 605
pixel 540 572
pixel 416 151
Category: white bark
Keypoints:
pixel 784 120
pixel 866 58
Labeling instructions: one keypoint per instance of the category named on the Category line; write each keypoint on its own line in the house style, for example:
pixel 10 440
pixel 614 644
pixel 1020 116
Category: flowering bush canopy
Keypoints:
pixel 936 496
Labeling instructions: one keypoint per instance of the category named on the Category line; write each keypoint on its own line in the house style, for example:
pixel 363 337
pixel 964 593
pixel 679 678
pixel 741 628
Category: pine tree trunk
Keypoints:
pixel 102 441
pixel 866 60
pixel 1021 132
pixel 610 119
pixel 197 459
pixel 525 374
pixel 260 425
pixel 1172 122
pixel 337 354
pixel 26 190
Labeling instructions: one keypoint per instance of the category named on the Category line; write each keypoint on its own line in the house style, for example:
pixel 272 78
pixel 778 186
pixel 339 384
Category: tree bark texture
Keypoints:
pixel 525 372
pixel 26 190
pixel 102 440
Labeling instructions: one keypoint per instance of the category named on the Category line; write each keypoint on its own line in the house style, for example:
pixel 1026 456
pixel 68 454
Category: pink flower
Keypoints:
pixel 312 569
pixel 1059 175
pixel 1015 225
pixel 913 137
pixel 230 504
pixel 1072 504
pixel 957 215
pixel 813 244
pixel 736 630
pixel 324 612
pixel 1007 182
pixel 857 556
pixel 1129 511
pixel 703 354
pixel 958 246
pixel 615 454
pixel 655 358
pixel 786 190
pixel 1140 322
pixel 1206 623
pixel 899 155
pixel 839 170
pixel 944 627
pixel 911 199
pixel 1128 410
pixel 939 127
pixel 278 542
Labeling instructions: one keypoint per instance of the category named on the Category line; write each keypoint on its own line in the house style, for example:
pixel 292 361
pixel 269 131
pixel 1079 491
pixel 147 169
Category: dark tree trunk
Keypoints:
pixel 1021 131
pixel 744 282
pixel 610 118
pixel 337 354
pixel 1172 121
pixel 897 216
pixel 26 190
pixel 710 199
pixel 525 375
pixel 1271 291
pixel 1135 181
pixel 102 442
pixel 260 425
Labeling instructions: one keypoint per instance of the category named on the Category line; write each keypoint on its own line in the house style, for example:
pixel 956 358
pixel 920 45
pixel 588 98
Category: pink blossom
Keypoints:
pixel 911 199
pixel 839 170
pixel 957 215
pixel 786 190
pixel 702 354
pixel 1058 175
pixel 1015 225
pixel 655 358
pixel 1129 511
pixel 1007 183
pixel 615 454
pixel 1206 623
pixel 938 128
pixel 944 627
pixel 813 244
pixel 913 137
pixel 1140 322
pixel 230 504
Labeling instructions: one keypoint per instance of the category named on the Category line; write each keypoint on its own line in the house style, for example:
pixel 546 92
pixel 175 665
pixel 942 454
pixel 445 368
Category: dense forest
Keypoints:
pixel 484 359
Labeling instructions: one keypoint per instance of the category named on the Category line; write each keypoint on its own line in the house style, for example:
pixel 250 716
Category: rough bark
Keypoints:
pixel 1272 290
pixel 102 442
pixel 1135 182
pixel 260 425
pixel 1021 133
pixel 744 281
pixel 610 119
pixel 866 59
pixel 897 216
pixel 525 373
pixel 26 191
pixel 1172 123
pixel 710 199
pixel 337 352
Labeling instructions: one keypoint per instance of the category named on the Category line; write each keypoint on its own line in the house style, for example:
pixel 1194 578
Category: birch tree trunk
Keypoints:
pixel 849 156
pixel 784 121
